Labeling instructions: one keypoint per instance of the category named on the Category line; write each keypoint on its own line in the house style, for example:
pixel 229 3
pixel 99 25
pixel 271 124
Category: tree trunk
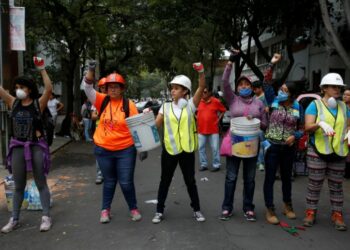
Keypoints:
pixel 347 12
pixel 331 32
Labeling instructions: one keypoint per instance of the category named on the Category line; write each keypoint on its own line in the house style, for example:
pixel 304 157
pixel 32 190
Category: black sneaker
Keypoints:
pixel 250 216
pixel 225 215
pixel 203 168
pixel 215 169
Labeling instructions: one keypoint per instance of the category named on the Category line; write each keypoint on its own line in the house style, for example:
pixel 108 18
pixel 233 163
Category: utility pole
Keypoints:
pixel 8 70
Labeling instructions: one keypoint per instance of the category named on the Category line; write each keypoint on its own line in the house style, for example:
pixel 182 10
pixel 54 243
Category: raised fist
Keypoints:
pixel 276 58
pixel 234 55
pixel 92 65
pixel 39 63
pixel 198 67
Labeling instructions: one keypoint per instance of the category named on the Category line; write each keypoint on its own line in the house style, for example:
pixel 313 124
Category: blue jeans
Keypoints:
pixel 117 166
pixel 98 170
pixel 278 156
pixel 249 168
pixel 214 144
pixel 261 154
pixel 87 129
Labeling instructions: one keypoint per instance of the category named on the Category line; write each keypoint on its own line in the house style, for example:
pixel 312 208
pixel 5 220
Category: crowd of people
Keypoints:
pixel 188 122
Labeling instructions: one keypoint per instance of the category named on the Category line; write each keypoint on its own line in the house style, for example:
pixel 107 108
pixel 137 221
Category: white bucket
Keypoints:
pixel 245 137
pixel 144 131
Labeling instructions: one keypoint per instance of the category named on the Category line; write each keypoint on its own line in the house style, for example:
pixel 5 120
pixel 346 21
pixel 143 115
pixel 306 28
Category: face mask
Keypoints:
pixel 21 94
pixel 332 103
pixel 245 92
pixel 282 96
pixel 181 103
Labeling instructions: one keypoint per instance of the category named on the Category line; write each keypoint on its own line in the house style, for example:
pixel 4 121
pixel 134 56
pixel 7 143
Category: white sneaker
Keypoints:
pixel 46 224
pixel 261 167
pixel 158 217
pixel 198 216
pixel 10 226
pixel 105 216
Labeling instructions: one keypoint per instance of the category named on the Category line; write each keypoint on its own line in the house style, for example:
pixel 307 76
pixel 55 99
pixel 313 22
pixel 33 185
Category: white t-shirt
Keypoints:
pixel 52 106
pixel 177 110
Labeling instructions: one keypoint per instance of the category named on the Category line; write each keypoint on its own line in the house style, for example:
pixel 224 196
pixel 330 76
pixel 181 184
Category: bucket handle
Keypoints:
pixel 145 123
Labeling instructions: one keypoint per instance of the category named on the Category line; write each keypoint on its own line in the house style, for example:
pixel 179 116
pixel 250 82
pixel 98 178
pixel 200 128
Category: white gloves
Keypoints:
pixel 147 110
pixel 347 136
pixel 198 67
pixel 328 130
pixel 39 63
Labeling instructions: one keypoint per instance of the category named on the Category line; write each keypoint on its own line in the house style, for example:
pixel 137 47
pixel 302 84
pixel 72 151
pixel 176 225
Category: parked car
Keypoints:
pixel 226 121
pixel 154 105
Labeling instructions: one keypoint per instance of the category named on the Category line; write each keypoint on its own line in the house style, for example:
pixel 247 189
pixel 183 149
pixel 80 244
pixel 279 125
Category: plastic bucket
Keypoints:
pixel 245 137
pixel 144 131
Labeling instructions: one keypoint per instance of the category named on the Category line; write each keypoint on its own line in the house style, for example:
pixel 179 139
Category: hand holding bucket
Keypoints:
pixel 144 131
pixel 245 136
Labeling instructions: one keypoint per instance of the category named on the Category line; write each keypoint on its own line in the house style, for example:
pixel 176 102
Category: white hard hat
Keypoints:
pixel 182 80
pixel 332 79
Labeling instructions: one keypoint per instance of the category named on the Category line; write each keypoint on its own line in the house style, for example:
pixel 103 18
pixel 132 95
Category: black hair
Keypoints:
pixel 29 83
pixel 257 84
pixel 293 90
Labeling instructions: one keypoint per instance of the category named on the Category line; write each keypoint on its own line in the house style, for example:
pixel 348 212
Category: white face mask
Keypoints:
pixel 21 94
pixel 332 103
pixel 181 103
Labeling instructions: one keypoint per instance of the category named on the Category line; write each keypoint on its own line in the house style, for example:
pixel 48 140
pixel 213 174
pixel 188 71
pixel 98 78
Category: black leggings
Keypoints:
pixel 169 164
pixel 19 172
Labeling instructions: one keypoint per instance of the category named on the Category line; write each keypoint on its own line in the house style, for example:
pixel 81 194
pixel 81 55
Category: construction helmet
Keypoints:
pixel 332 79
pixel 115 78
pixel 182 80
pixel 101 82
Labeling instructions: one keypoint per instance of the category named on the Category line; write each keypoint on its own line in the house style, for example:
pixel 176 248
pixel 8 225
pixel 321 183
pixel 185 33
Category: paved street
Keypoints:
pixel 77 204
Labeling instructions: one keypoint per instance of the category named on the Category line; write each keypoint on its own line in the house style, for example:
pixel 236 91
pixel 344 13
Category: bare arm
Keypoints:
pixel 8 99
pixel 43 100
pixel 60 106
pixel 159 120
pixel 198 95
pixel 310 123
pixel 94 115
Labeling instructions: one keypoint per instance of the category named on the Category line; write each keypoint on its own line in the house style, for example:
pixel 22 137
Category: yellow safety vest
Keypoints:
pixel 179 134
pixel 326 144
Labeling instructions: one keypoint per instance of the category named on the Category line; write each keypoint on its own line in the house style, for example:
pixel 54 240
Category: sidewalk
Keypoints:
pixel 58 143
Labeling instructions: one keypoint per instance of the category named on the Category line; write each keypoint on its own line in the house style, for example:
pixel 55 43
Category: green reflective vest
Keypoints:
pixel 326 144
pixel 179 134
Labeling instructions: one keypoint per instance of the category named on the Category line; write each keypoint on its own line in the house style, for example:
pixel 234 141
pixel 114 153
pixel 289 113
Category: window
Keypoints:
pixel 277 47
pixel 261 58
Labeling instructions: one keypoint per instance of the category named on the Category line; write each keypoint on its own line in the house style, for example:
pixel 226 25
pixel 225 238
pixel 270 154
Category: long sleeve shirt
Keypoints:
pixel 240 106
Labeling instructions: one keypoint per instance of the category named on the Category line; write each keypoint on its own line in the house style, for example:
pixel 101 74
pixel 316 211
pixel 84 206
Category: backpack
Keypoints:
pixel 45 118
pixel 87 111
pixel 126 109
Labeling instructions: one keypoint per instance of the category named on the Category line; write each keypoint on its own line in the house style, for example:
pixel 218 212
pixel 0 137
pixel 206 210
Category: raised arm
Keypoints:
pixel 8 99
pixel 228 93
pixel 201 86
pixel 268 88
pixel 40 66
pixel 89 80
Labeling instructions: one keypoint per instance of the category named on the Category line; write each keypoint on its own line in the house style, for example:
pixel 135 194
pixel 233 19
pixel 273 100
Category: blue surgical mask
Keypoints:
pixel 245 92
pixel 282 96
